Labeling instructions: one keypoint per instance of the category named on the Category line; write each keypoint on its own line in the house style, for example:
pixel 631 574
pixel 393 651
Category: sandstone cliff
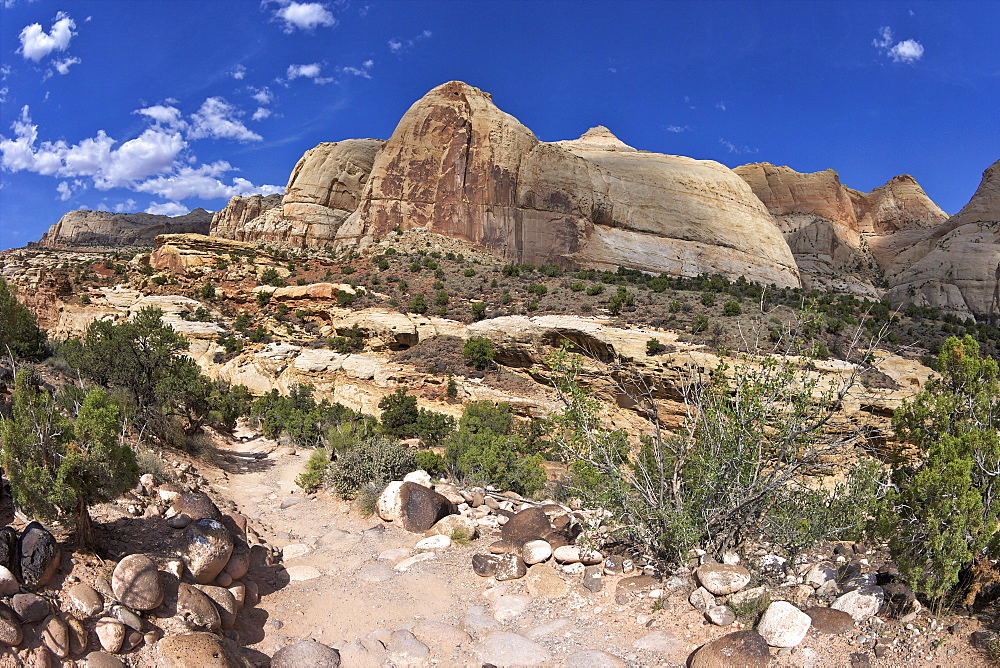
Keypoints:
pixel 826 224
pixel 954 266
pixel 103 228
pixel 236 220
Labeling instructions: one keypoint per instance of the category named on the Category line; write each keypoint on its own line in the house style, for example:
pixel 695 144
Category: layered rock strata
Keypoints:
pixel 103 228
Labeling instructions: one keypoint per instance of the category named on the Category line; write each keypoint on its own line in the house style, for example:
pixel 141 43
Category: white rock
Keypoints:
pixel 8 583
pixel 860 603
pixel 405 564
pixel 783 625
pixel 536 551
pixel 388 504
pixel 439 542
pixel 294 551
pixel 571 554
pixel 819 575
pixel 420 476
pixel 302 573
pixel 509 606
pixel 701 599
pixel 510 649
pixel 730 557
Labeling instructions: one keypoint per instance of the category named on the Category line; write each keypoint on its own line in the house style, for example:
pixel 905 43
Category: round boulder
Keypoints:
pixel 196 609
pixel 536 551
pixel 783 625
pixel 723 579
pixel 828 620
pixel 136 582
pixel 306 653
pixel 860 604
pixel 8 549
pixel 39 556
pixel 84 599
pixel 209 547
pixel 742 648
pixel 203 650
pixel 10 628
pixel 194 507
pixel 526 525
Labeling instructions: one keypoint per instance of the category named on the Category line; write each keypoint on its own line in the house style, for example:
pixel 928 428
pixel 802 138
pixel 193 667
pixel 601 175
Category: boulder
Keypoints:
pixel 306 653
pixel 203 650
pixel 55 636
pixel 509 649
pixel 829 620
pixel 225 604
pixel 783 625
pixel 9 558
pixel 194 506
pixel 723 579
pixel 747 649
pixel 84 599
pixel 899 600
pixel 413 507
pixel 136 582
pixel 525 525
pixel 702 599
pixel 196 609
pixel 30 608
pixel 209 546
pixel 720 615
pixel 536 551
pixel 509 567
pixel 10 627
pixel 8 583
pixel 860 604
pixel 111 633
pixel 405 650
pixel 456 527
pixel 39 556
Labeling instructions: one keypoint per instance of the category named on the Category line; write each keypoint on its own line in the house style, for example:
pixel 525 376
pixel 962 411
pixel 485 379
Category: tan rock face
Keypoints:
pixel 900 203
pixel 459 166
pixel 784 191
pixel 121 229
pixel 954 266
pixel 233 221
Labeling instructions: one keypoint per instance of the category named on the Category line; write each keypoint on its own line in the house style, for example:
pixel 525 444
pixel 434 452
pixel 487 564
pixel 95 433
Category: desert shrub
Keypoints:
pixel 488 449
pixel 373 461
pixel 700 324
pixel 431 462
pixel 537 289
pixel 401 418
pixel 941 515
pixel 418 304
pixel 741 469
pixel 442 298
pixel 469 273
pixel 270 276
pixel 674 306
pixel 731 309
pixel 314 475
pixel 595 289
pixel 621 299
pixel 299 417
pixel 347 269
pixel 576 286
pixel 263 297
pixel 654 347
pixel 20 334
pixel 479 352
pixel 478 310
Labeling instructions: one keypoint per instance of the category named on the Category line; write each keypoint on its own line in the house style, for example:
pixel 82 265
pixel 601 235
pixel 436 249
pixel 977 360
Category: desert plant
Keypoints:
pixel 313 477
pixel 372 462
pixel 479 352
pixel 941 515
pixel 20 335
pixel 478 310
pixel 731 308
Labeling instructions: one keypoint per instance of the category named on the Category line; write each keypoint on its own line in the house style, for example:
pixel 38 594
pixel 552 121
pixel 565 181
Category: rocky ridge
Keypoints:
pixel 103 228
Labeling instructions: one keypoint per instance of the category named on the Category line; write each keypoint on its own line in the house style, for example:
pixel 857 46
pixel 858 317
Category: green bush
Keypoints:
pixel 431 462
pixel 271 277
pixel 314 475
pixel 595 289
pixel 479 352
pixel 478 310
pixel 418 305
pixel 20 334
pixel 576 286
pixel 731 309
pixel 654 347
pixel 469 273
pixel 372 462
pixel 941 516
pixel 207 291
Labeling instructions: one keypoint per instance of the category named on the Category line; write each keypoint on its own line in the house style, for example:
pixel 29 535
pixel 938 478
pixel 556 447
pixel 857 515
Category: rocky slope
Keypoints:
pixel 103 228
pixel 459 166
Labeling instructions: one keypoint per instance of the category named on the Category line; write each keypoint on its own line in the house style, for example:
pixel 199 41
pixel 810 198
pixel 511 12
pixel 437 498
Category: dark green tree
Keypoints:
pixel 941 516
pixel 479 352
pixel 20 336
pixel 399 414
pixel 59 468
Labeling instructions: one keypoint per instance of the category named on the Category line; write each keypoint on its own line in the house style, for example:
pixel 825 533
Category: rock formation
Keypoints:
pixel 102 228
pixel 235 219
pixel 952 266
pixel 826 223
pixel 459 166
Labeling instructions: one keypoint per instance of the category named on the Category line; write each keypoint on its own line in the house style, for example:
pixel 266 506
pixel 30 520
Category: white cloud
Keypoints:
pixel 166 209
pixel 364 71
pixel 733 148
pixel 678 128
pixel 3 94
pixel 720 105
pixel 260 114
pixel 220 120
pixel 238 72
pixel 310 71
pixel 402 45
pixel 262 95
pixel 152 152
pixel 36 43
pixel 164 115
pixel 128 206
pixel 203 182
pixel 303 15
pixel 62 66
pixel 65 192
pixel 906 51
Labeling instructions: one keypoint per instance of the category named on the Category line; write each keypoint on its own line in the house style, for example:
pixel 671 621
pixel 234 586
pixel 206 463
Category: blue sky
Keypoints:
pixel 165 105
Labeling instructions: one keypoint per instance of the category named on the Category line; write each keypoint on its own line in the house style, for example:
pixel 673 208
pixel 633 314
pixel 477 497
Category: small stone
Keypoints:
pixel 861 660
pixel 741 648
pixel 439 542
pixel 127 617
pixel 720 615
pixel 701 599
pixel 593 578
pixel 510 649
pixel 510 567
pixel 30 608
pixel 594 658
pixel 103 660
pixel 571 554
pixel 55 635
pixel 84 599
pixel 196 609
pixel 504 547
pixel 306 653
pixel 224 579
pixel 722 579
pixel 111 634
pixel 79 639
pixel 203 650
pixel 136 582
pixel 224 602
pixel 861 604
pixel 8 583
pixel 828 620
pixel 536 551
pixel 10 627
pixel 783 625
pixel 302 573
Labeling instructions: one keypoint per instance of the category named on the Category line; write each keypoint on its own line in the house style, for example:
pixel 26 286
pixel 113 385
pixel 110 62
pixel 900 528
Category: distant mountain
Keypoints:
pixel 103 228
